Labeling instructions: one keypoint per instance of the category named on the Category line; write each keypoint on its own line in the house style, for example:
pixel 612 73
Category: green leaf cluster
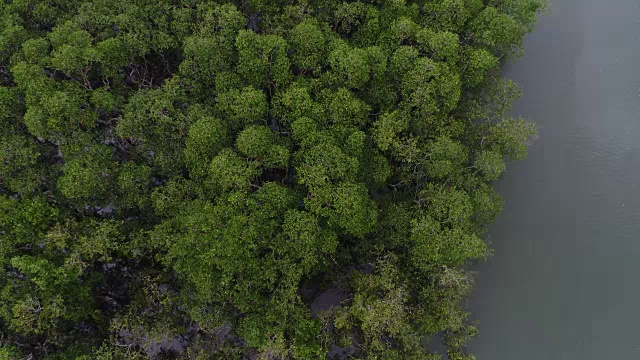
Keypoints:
pixel 192 179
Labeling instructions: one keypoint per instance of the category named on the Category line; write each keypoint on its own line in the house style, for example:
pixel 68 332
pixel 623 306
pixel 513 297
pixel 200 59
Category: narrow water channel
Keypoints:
pixel 564 281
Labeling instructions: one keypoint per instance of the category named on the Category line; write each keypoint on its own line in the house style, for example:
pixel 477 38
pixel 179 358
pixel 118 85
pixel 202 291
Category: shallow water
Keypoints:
pixel 564 281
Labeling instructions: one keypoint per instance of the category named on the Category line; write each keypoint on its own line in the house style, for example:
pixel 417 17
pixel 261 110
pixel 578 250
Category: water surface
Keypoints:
pixel 564 282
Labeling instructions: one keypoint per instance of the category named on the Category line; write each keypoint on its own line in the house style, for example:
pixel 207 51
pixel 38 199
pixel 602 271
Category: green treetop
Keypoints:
pixel 250 179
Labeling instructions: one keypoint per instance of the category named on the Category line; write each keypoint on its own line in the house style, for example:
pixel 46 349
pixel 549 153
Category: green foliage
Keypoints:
pixel 229 171
pixel 305 239
pixel 50 295
pixel 54 109
pixel 134 181
pixel 451 15
pixel 379 312
pixel 487 205
pixel 350 65
pixel 446 157
pixel 23 222
pixel 491 164
pixel 19 167
pixel 345 109
pixel 207 136
pixel 294 103
pixel 309 47
pixel 154 120
pixel 260 143
pixel 497 30
pixel 9 352
pixel 436 247
pixel 262 59
pixel 183 179
pixel 440 46
pixel 353 209
pixel 243 107
pixel 88 174
pixel 324 163
pixel 210 50
pixel 512 137
pixel 431 88
pixel 479 62
pixel 168 199
pixel 72 50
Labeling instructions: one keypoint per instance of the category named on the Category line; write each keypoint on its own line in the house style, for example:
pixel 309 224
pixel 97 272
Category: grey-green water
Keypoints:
pixel 564 282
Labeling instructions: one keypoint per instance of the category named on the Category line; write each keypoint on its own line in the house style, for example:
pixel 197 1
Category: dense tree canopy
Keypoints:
pixel 266 179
